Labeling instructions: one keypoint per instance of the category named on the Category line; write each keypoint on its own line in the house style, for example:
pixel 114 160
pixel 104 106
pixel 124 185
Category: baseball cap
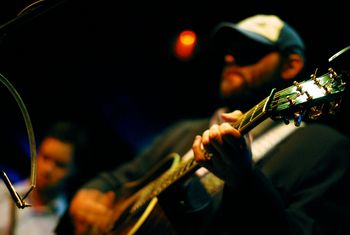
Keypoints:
pixel 255 36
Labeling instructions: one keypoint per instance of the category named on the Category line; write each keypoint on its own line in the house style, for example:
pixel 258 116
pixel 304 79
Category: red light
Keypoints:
pixel 187 37
pixel 185 45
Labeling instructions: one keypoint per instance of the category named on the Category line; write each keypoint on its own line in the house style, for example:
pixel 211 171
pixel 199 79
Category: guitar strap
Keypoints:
pixel 267 135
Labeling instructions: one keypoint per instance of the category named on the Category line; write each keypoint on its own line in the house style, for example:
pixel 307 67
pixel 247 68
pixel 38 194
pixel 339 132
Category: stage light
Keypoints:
pixel 185 45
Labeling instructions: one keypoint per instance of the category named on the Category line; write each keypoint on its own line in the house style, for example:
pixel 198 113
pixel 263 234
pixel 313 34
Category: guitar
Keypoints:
pixel 307 99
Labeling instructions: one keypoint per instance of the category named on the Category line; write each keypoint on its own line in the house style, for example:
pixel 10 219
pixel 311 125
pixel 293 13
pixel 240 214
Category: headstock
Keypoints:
pixel 311 98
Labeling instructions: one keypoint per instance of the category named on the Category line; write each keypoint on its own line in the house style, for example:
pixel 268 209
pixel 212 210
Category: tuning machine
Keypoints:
pixel 298 117
pixel 334 106
pixel 315 112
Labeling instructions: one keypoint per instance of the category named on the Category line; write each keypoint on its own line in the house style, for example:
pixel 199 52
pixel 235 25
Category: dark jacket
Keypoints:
pixel 300 187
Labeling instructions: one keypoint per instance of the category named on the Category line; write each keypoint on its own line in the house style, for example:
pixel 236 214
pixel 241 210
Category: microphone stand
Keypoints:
pixel 31 11
pixel 20 203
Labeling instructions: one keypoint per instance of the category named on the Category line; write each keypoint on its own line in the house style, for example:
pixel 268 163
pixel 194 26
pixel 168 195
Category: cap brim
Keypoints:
pixel 226 33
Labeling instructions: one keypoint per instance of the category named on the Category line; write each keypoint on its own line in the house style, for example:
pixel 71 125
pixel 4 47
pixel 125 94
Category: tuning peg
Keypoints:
pixel 290 100
pixel 315 112
pixel 298 118
pixel 332 73
pixel 286 120
pixel 334 106
pixel 309 97
pixel 280 118
pixel 313 77
pixel 298 86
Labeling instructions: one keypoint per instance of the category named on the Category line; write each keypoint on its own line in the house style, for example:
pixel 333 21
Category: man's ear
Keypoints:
pixel 292 66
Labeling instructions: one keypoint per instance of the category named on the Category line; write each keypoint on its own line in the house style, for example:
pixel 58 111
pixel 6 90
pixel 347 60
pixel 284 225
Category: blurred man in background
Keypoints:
pixel 49 199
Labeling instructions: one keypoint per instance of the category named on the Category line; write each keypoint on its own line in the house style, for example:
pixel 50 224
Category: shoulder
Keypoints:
pixel 316 141
pixel 321 132
pixel 321 140
pixel 315 150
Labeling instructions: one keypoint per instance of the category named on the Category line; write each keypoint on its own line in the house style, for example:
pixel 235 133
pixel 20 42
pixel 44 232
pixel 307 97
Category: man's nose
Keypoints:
pixel 229 59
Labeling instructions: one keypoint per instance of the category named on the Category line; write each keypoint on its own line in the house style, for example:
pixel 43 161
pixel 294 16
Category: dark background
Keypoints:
pixel 109 66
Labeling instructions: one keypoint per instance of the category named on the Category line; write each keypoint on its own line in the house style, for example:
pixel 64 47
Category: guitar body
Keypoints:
pixel 148 217
pixel 169 211
pixel 151 220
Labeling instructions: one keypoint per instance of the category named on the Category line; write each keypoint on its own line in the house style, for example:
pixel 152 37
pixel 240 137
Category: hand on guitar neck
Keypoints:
pixel 221 141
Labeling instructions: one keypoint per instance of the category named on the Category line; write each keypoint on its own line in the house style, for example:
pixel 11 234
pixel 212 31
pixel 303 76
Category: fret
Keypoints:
pixel 246 121
pixel 241 121
pixel 255 109
pixel 172 175
pixel 244 124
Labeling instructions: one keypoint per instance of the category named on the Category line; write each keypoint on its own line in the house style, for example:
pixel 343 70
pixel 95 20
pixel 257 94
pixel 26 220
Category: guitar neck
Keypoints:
pixel 156 187
pixel 252 117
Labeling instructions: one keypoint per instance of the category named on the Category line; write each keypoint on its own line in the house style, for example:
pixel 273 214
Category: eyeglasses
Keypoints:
pixel 249 53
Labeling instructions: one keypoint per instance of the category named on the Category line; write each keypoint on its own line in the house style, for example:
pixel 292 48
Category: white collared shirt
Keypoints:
pixel 30 220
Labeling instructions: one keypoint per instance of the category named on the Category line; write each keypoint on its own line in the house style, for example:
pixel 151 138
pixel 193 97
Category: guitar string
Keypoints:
pixel 277 101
